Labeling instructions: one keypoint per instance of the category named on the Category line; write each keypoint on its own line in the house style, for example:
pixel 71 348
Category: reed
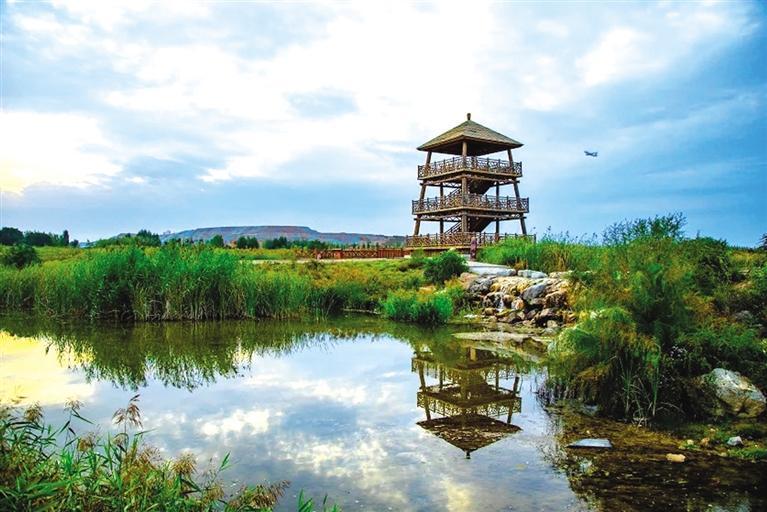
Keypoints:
pixel 47 468
pixel 194 283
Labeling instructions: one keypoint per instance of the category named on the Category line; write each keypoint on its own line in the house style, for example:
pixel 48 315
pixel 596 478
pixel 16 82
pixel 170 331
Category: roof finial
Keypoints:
pixel 468 116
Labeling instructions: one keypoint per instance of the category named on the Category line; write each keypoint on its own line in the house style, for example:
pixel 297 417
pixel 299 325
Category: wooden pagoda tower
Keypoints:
pixel 466 205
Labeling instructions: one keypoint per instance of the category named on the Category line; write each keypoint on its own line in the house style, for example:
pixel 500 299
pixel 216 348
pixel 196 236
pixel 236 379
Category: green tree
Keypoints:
pixel 216 241
pixel 10 236
pixel 65 238
pixel 38 238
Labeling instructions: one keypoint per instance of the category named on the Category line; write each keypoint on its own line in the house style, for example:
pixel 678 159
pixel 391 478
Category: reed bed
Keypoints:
pixel 194 283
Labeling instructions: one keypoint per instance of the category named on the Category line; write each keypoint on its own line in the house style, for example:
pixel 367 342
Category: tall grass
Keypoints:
pixel 550 254
pixel 197 283
pixel 46 468
pixel 420 308
pixel 648 321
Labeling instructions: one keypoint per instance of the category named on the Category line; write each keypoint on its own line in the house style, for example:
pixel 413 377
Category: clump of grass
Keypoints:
pixel 550 254
pixel 445 266
pixel 420 308
pixel 116 472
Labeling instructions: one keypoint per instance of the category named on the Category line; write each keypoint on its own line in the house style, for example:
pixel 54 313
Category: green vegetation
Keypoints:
pixel 194 282
pixel 652 308
pixel 444 266
pixel 109 473
pixel 550 254
pixel 20 256
pixel 13 236
pixel 247 242
pixel 418 307
pixel 144 238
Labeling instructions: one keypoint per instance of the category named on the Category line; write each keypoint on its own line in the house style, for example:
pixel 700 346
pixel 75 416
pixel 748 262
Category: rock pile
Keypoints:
pixel 527 297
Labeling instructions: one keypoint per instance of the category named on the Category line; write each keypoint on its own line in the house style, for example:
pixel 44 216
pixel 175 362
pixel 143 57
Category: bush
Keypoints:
pixel 433 308
pixel 447 265
pixel 20 256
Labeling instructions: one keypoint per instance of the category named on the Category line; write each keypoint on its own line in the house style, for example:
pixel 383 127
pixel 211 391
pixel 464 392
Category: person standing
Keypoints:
pixel 473 248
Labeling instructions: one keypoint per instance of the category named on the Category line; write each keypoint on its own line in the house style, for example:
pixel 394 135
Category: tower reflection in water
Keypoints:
pixel 464 392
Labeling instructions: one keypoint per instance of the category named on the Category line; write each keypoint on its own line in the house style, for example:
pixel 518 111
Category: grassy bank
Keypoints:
pixel 47 468
pixel 198 283
pixel 655 310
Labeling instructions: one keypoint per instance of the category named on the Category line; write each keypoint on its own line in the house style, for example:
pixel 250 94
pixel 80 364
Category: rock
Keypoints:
pixel 536 303
pixel 735 441
pixel 727 393
pixel 704 442
pixel 561 275
pixel 489 311
pixel 517 304
pixel 555 300
pixel 675 457
pixel 532 274
pixel 480 286
pixel 745 317
pixel 548 313
pixel 530 314
pixel 552 324
pixel 534 291
pixel 591 443
pixel 503 313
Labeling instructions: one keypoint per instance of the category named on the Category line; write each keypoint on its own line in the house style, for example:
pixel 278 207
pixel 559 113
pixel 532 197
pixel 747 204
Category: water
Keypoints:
pixel 340 408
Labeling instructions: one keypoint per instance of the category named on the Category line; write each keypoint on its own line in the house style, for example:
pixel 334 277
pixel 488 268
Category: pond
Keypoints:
pixel 377 415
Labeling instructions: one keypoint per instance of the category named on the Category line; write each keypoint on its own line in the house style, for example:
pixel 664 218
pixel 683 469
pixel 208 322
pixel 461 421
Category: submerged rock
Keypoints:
pixel 591 443
pixel 675 457
pixel 727 393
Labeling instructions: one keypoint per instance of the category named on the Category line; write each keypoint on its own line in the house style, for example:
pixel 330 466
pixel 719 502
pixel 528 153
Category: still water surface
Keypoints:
pixel 375 415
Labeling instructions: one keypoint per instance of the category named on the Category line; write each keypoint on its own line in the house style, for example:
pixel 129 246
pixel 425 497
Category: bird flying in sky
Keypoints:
pixel 591 153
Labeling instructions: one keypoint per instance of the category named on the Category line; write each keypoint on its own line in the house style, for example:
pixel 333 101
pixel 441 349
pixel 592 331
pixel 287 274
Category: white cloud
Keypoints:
pixel 53 149
pixel 402 65
pixel 238 422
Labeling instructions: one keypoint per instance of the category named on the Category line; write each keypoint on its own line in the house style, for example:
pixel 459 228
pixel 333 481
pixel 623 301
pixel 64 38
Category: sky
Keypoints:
pixel 175 115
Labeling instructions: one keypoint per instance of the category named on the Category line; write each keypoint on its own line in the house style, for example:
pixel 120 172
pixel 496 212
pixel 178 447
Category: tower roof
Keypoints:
pixel 481 140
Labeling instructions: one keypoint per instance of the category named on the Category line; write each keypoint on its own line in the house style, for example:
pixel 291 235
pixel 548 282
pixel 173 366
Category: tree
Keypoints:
pixel 38 238
pixel 10 236
pixel 216 241
pixel 65 238
pixel 20 256
pixel 764 242
pixel 447 265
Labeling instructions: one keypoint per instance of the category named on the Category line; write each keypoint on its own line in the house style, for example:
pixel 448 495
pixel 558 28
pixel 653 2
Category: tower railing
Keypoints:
pixel 472 201
pixel 460 239
pixel 470 163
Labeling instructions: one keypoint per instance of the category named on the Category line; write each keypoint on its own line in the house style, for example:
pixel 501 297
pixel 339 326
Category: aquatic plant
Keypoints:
pixel 194 282
pixel 42 467
pixel 420 308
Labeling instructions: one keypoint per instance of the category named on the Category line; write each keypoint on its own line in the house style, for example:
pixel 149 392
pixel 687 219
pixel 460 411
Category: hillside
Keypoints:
pixel 290 232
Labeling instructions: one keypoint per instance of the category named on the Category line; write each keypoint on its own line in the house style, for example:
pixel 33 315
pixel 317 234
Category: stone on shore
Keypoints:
pixel 591 443
pixel 724 393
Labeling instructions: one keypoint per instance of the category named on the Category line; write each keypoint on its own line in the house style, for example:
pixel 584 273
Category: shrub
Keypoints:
pixel 711 262
pixel 550 254
pixel 20 256
pixel 433 308
pixel 447 265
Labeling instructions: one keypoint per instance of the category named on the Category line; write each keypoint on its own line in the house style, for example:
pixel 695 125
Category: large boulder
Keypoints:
pixel 728 393
pixel 534 291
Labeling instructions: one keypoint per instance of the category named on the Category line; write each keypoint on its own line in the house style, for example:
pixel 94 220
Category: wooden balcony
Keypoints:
pixel 459 239
pixel 492 167
pixel 495 204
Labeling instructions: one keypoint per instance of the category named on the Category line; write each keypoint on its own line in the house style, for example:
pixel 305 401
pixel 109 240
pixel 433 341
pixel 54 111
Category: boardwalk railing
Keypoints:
pixel 460 239
pixel 470 163
pixel 474 201
pixel 349 253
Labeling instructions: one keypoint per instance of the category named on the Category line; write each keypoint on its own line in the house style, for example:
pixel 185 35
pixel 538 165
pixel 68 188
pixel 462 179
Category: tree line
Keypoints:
pixel 14 236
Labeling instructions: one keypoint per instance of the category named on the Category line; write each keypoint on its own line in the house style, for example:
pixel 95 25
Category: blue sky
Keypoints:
pixel 176 115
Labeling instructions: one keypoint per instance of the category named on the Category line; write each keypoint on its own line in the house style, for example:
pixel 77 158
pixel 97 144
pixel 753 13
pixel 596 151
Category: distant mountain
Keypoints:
pixel 290 232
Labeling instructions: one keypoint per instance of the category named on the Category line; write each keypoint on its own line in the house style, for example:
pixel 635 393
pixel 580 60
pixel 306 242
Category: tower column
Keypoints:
pixel 516 194
pixel 423 194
